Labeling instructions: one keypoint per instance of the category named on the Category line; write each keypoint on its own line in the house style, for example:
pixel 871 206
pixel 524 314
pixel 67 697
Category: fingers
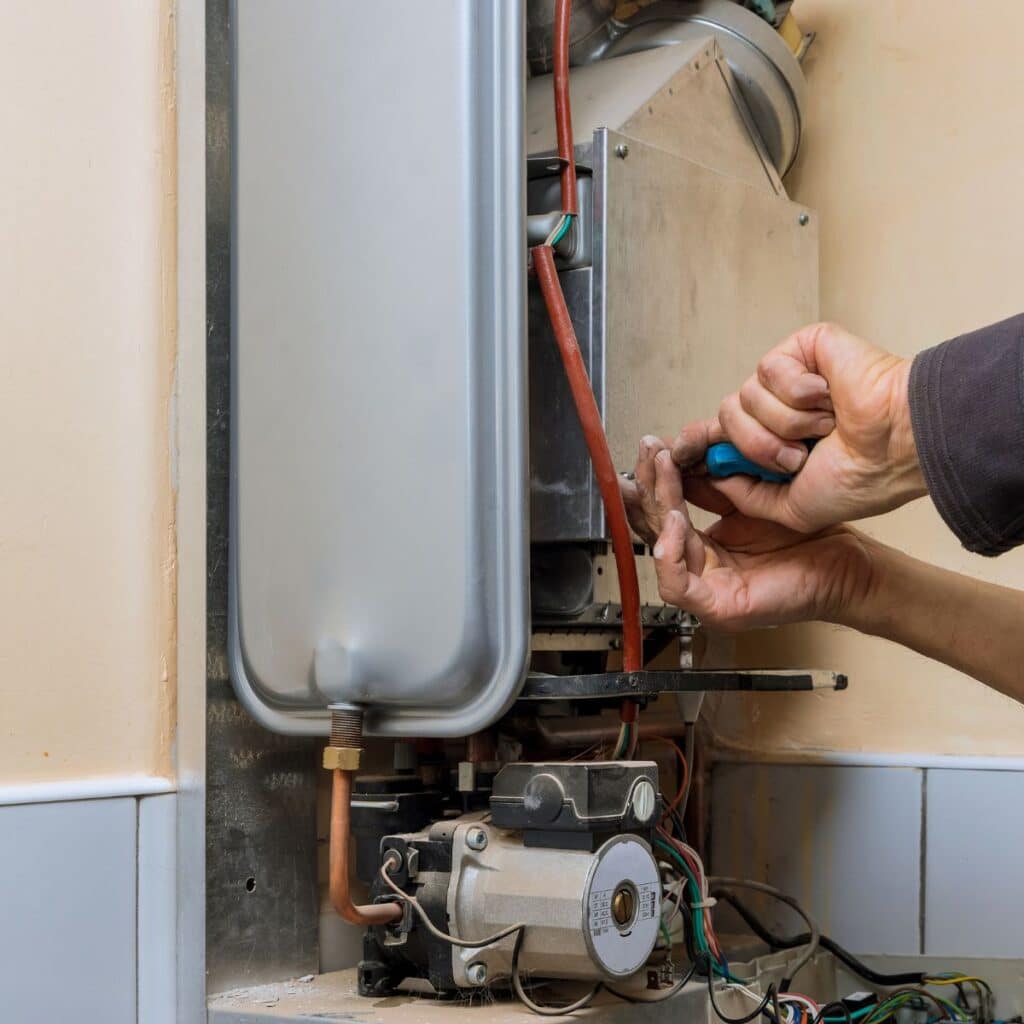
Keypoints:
pixel 678 561
pixel 634 510
pixel 693 441
pixel 784 420
pixel 787 373
pixel 639 495
pixel 756 441
pixel 759 499
pixel 701 491
pixel 740 533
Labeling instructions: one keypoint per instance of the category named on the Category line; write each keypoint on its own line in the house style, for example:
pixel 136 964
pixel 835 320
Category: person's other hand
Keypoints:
pixel 821 382
pixel 742 572
pixel 644 498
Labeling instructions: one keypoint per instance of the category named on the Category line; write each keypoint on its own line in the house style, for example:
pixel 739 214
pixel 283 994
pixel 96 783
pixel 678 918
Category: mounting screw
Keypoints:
pixel 622 151
pixel 804 219
pixel 476 974
pixel 476 839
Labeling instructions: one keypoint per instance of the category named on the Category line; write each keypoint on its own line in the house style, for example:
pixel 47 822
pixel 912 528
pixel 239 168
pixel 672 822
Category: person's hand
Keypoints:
pixel 742 572
pixel 821 382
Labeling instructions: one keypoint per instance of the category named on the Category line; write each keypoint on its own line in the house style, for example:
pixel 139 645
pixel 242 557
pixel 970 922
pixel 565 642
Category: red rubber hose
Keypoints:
pixel 600 455
pixel 563 107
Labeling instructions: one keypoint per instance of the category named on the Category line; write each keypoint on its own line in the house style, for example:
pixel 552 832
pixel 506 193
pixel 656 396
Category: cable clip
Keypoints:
pixel 705 904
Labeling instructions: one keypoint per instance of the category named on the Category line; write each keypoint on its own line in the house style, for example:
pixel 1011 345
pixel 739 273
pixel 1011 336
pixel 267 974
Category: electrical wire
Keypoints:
pixel 560 229
pixel 660 997
pixel 902 996
pixel 600 455
pixel 774 941
pixel 705 941
pixel 563 106
pixel 689 749
pixel 684 783
pixel 777 894
pixel 848 1017
pixel 538 1008
pixel 519 930
pixel 385 875
pixel 769 999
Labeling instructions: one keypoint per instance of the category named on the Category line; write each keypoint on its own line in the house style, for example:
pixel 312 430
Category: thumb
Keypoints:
pixel 677 583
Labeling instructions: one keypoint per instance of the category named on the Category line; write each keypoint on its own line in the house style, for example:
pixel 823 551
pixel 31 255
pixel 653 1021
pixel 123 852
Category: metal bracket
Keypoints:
pixel 610 685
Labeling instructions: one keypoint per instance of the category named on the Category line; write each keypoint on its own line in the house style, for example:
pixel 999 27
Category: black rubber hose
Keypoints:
pixel 858 967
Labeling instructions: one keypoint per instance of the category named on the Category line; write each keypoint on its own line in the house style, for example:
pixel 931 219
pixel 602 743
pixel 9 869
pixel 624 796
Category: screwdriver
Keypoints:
pixel 725 459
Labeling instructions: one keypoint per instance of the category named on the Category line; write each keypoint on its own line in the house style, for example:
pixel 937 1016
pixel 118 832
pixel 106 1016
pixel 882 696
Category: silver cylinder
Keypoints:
pixel 588 916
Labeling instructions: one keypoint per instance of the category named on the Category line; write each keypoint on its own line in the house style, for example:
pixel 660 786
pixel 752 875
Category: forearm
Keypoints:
pixel 973 626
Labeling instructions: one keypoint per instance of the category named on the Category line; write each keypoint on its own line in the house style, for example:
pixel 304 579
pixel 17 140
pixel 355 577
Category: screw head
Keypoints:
pixel 476 974
pixel 476 839
pixel 622 151
pixel 804 219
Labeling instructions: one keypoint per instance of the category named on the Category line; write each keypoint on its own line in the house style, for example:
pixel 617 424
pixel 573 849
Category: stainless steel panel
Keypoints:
pixel 565 503
pixel 379 434
pixel 695 274
pixel 262 906
pixel 672 97
pixel 703 274
pixel 769 75
pixel 260 788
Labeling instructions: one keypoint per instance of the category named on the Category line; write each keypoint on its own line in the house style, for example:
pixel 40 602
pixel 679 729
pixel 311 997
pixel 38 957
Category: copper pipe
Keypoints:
pixel 341 891
pixel 480 748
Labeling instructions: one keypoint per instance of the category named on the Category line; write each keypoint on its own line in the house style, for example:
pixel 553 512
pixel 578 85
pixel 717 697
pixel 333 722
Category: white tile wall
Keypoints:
pixel 844 840
pixel 68 912
pixel 974 902
pixel 157 899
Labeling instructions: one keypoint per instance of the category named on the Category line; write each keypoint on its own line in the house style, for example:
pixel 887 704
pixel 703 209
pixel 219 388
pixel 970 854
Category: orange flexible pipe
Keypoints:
pixel 366 915
pixel 563 107
pixel 600 456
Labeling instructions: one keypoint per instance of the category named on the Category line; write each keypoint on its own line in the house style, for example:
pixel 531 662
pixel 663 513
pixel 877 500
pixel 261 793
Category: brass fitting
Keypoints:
pixel 346 759
pixel 344 752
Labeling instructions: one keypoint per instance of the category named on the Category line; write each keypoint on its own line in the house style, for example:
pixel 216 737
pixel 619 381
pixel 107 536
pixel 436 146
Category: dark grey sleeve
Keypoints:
pixel 967 412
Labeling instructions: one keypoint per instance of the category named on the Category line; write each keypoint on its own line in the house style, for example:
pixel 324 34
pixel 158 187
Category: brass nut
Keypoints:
pixel 344 759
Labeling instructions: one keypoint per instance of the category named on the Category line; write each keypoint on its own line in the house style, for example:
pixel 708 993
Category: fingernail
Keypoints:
pixel 813 386
pixel 658 551
pixel 664 457
pixel 791 458
pixel 826 425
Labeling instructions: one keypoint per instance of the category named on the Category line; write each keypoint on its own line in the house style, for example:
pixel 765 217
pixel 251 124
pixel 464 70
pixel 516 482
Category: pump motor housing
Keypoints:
pixel 590 909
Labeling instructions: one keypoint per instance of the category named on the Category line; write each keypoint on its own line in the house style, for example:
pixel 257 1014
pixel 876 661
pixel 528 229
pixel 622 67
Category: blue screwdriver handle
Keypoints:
pixel 725 459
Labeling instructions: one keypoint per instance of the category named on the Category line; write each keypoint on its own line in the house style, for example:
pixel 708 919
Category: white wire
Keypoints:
pixel 795 997
pixel 554 231
pixel 677 891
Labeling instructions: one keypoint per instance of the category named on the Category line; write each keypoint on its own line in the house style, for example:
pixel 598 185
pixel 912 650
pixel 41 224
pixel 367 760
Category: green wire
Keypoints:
pixel 566 224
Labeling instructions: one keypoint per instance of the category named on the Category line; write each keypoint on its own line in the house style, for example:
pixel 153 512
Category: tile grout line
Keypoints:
pixel 923 867
pixel 138 900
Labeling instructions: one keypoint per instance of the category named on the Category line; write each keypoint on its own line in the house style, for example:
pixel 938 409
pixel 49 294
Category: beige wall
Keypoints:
pixel 86 370
pixel 914 157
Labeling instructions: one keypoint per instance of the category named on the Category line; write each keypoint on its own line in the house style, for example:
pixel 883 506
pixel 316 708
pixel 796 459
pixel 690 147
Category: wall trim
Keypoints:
pixel 101 788
pixel 870 759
